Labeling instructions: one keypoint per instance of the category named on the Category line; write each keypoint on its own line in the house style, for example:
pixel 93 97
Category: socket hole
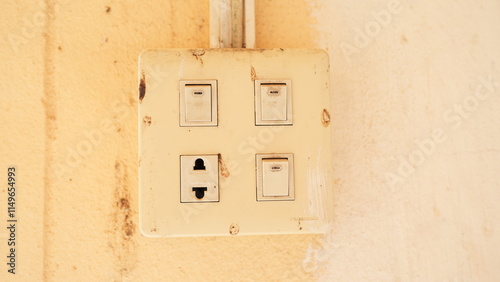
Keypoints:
pixel 199 192
pixel 199 164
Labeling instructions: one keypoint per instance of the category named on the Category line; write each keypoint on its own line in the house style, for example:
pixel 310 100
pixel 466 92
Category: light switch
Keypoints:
pixel 273 102
pixel 275 177
pixel 198 103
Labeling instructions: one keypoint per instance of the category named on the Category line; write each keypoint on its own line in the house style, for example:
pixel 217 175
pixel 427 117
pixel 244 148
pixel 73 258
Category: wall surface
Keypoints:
pixel 415 121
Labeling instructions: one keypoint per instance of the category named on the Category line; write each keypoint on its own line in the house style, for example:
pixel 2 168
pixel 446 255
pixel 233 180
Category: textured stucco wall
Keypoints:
pixel 68 115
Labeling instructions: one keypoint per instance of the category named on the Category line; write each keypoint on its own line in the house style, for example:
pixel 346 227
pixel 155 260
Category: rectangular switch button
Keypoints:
pixel 198 102
pixel 275 177
pixel 273 102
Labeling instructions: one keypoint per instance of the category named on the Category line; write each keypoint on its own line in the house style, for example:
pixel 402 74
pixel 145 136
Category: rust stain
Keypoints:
pixel 198 54
pixel 147 120
pixel 123 227
pixel 253 75
pixel 224 172
pixel 325 118
pixel 50 117
pixel 49 102
pixel 124 203
pixel 234 229
pixel 123 213
pixel 142 88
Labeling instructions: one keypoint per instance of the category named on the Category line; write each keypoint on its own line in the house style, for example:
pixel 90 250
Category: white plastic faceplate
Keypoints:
pixel 237 139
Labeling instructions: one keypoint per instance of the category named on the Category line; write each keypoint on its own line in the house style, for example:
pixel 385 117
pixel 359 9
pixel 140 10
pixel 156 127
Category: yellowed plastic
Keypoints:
pixel 237 140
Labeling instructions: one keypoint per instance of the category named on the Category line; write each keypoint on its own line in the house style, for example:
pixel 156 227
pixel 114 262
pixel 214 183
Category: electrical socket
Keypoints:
pixel 199 178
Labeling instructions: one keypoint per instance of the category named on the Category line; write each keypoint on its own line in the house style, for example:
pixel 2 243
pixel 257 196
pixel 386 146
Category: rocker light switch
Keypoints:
pixel 198 103
pixel 275 177
pixel 273 102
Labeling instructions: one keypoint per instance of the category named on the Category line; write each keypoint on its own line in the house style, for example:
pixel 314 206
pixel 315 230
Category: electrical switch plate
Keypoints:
pixel 237 142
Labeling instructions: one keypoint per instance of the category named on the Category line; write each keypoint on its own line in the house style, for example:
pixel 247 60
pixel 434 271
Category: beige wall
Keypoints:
pixel 69 111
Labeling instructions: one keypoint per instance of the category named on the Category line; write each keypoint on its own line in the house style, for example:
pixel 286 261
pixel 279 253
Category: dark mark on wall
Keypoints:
pixel 224 172
pixel 198 54
pixel 142 88
pixel 124 213
pixel 325 118
pixel 234 229
pixel 122 226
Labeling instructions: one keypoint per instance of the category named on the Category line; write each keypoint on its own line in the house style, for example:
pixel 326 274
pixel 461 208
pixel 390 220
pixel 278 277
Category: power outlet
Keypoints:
pixel 199 178
pixel 250 126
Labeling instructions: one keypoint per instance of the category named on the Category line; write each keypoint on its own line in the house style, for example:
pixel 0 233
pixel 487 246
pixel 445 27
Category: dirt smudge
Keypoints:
pixel 147 120
pixel 253 74
pixel 123 228
pixel 325 118
pixel 142 87
pixel 224 171
pixel 123 212
pixel 198 54
pixel 234 229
